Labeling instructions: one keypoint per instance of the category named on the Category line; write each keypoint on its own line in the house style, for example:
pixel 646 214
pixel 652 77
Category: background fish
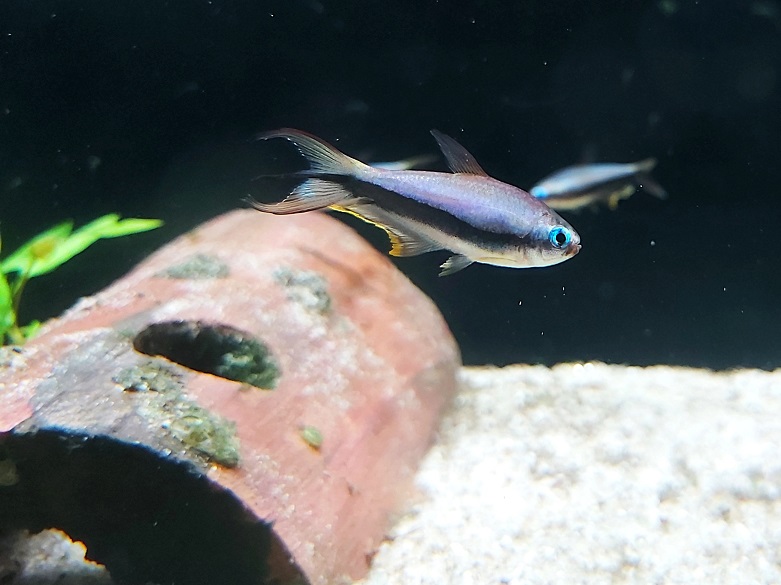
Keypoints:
pixel 413 162
pixel 478 218
pixel 577 186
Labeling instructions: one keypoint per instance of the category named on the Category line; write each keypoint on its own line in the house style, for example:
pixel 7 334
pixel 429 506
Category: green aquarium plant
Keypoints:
pixel 44 253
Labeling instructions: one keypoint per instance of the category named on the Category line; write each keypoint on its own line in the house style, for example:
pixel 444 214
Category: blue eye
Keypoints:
pixel 560 237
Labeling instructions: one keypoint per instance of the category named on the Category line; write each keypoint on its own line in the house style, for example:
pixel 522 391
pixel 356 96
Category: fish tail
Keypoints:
pixel 652 187
pixel 643 169
pixel 311 195
pixel 322 157
pixel 645 166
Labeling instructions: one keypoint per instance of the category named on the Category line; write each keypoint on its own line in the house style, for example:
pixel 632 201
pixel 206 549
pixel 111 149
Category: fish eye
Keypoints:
pixel 560 237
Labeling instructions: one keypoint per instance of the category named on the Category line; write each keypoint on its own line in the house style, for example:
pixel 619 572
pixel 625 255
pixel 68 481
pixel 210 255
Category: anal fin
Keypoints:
pixel 615 197
pixel 404 240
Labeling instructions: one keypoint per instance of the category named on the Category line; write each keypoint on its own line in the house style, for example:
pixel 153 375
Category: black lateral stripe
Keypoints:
pixel 438 219
pixel 601 188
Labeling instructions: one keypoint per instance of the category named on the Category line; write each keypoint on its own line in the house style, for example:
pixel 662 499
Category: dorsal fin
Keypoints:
pixel 458 158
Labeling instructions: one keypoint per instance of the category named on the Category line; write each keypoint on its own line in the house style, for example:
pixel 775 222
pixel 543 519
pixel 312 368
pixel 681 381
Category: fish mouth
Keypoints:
pixel 572 250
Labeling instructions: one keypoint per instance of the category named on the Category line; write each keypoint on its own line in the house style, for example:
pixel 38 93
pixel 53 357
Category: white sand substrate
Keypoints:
pixel 591 474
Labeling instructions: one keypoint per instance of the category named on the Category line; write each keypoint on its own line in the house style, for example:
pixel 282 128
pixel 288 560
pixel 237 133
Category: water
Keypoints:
pixel 148 110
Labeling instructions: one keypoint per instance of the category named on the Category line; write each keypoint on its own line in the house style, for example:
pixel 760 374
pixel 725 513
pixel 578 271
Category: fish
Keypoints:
pixel 468 213
pixel 575 187
pixel 413 162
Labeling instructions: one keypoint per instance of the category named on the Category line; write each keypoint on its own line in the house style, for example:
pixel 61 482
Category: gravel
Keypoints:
pixel 589 473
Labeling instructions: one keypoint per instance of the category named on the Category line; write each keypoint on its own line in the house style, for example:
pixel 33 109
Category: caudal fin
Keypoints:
pixel 654 188
pixel 643 169
pixel 322 157
pixel 311 195
pixel 645 166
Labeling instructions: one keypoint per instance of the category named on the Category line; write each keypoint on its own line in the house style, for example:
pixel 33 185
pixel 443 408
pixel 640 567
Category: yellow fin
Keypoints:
pixel 624 193
pixel 404 242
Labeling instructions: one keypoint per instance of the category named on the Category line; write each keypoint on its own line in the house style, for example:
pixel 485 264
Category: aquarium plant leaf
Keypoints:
pixel 56 246
pixel 30 329
pixel 132 225
pixel 47 251
pixel 36 249
pixel 7 314
pixel 74 244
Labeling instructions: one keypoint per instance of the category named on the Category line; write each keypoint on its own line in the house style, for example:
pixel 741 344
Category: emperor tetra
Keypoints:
pixel 477 217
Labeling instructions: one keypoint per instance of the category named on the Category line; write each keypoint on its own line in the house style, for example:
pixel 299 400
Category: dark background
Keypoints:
pixel 148 109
